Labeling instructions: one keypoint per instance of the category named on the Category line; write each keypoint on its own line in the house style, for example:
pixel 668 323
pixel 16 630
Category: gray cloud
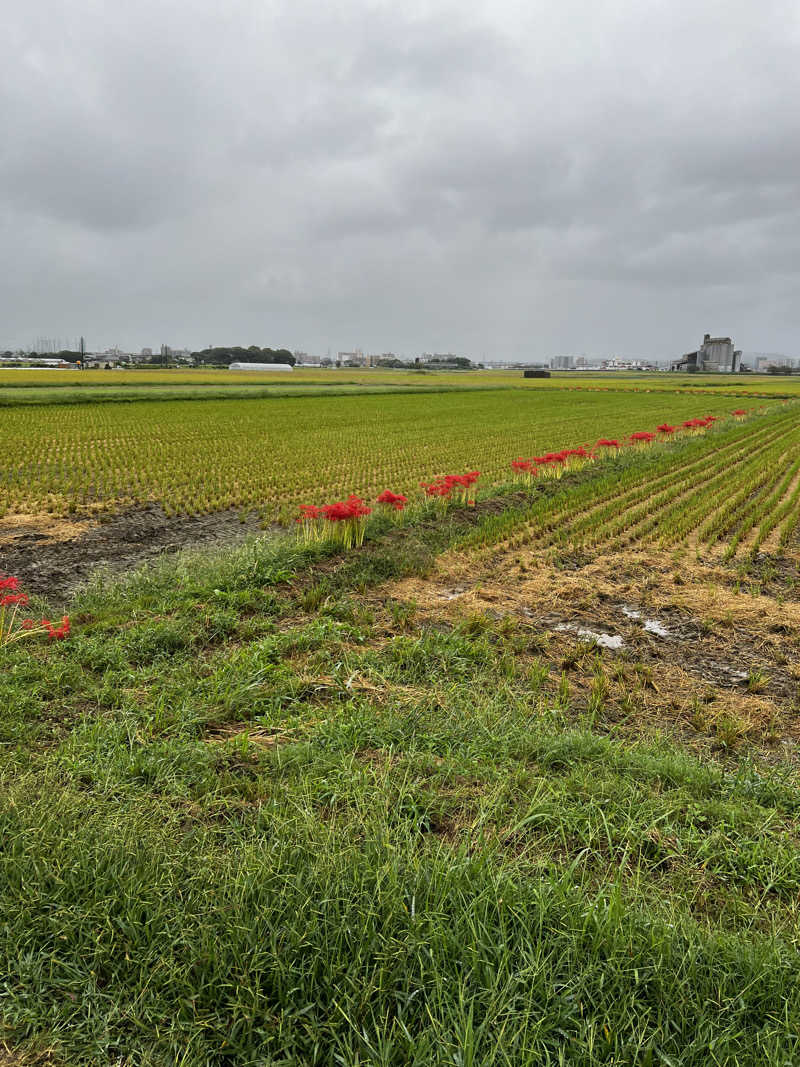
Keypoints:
pixel 507 178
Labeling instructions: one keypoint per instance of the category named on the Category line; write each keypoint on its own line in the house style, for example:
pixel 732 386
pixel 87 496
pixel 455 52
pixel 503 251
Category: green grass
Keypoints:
pixel 44 396
pixel 246 825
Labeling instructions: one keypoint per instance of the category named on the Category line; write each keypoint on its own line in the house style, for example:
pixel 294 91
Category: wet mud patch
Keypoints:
pixel 55 566
pixel 644 640
pixel 735 658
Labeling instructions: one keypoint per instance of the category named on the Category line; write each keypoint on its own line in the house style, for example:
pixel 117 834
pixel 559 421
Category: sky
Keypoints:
pixel 513 179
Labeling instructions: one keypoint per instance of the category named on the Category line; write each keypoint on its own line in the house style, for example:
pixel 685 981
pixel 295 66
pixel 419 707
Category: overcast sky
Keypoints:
pixel 518 178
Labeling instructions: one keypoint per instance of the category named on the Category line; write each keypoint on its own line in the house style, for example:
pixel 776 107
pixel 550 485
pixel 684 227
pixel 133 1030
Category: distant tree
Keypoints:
pixel 225 355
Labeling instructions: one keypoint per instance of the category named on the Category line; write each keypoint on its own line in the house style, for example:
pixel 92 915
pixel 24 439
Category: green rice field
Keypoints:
pixel 270 454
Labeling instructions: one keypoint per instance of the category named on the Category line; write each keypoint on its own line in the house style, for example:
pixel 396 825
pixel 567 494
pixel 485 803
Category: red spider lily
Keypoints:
pixel 56 633
pixel 307 520
pixel 20 599
pixel 608 442
pixel 525 467
pixel 345 510
pixel 642 437
pixel 666 428
pixel 444 487
pixel 739 413
pixel 551 464
pixel 348 516
pixel 575 458
pixel 696 426
pixel 436 489
pixel 10 603
pixel 393 500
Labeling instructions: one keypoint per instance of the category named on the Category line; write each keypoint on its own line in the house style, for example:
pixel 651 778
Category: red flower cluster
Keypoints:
pixel 698 425
pixel 345 510
pixel 525 466
pixel 443 488
pixel 393 500
pixel 9 593
pixel 54 633
pixel 11 597
pixel 347 515
pixel 7 599
pixel 553 464
pixel 739 413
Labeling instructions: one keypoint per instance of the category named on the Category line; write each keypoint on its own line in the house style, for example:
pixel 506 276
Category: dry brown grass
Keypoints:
pixel 728 669
pixel 50 528
pixel 10 1057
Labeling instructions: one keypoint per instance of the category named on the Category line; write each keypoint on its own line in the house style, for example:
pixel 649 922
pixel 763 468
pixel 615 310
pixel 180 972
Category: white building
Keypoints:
pixel 716 355
pixel 261 366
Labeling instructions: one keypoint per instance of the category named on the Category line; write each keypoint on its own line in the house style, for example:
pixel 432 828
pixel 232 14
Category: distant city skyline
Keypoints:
pixel 560 361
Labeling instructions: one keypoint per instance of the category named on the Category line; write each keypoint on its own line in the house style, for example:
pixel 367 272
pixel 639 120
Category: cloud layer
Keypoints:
pixel 506 179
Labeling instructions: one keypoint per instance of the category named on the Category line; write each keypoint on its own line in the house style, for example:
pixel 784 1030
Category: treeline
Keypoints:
pixel 237 354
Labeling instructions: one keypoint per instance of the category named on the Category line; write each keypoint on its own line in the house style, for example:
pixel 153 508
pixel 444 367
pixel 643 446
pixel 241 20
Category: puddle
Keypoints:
pixel 612 641
pixel 453 594
pixel 652 626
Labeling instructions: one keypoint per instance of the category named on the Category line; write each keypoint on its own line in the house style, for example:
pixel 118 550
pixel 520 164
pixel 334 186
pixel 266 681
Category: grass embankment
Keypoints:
pixel 222 377
pixel 91 394
pixel 251 816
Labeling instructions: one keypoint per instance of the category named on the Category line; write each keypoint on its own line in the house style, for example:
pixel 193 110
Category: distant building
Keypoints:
pixel 351 359
pixel 147 351
pixel 771 360
pixel 562 362
pixel 615 363
pixel 716 355
pixel 35 362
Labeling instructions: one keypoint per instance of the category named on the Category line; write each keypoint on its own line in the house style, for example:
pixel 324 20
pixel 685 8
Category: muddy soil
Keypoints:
pixel 672 645
pixel 56 567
